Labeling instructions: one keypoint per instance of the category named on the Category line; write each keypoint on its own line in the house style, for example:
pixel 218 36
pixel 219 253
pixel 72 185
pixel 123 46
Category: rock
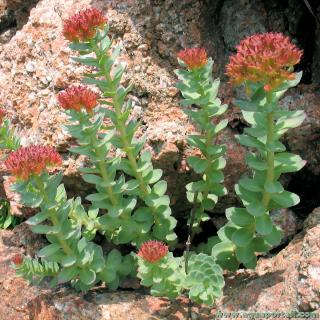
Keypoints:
pixel 238 16
pixel 287 281
pixel 36 64
pixel 289 222
pixel 304 139
pixel 316 57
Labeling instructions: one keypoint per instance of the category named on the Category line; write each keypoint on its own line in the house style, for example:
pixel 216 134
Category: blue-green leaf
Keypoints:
pixel 199 165
pixel 48 250
pixel 242 237
pixel 264 224
pixel 239 216
pixel 286 199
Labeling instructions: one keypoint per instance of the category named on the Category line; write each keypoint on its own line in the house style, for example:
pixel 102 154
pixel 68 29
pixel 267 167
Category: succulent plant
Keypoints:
pixel 264 63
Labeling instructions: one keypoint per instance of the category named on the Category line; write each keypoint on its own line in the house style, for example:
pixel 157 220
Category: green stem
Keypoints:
pixel 191 233
pixel 269 156
pixel 53 216
pixel 100 165
pixel 127 148
pixel 121 127
pixel 209 138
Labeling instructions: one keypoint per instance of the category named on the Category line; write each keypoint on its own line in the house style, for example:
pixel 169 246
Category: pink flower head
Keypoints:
pixel 194 58
pixel 83 25
pixel 78 97
pixel 2 115
pixel 32 160
pixel 153 251
pixel 267 58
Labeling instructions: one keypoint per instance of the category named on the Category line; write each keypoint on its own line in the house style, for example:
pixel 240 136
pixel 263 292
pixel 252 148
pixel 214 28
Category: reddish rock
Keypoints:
pixel 304 140
pixel 36 64
pixel 287 281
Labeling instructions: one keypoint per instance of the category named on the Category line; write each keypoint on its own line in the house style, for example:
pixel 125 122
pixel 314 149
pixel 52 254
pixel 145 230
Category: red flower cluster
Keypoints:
pixel 2 115
pixel 78 97
pixel 27 161
pixel 83 25
pixel 153 251
pixel 194 58
pixel 267 58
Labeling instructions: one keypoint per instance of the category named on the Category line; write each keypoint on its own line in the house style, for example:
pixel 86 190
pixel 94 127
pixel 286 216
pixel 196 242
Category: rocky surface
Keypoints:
pixel 35 65
pixel 287 281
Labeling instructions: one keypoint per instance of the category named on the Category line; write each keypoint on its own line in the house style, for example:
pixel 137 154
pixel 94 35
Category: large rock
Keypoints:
pixel 304 140
pixel 35 64
pixel 288 281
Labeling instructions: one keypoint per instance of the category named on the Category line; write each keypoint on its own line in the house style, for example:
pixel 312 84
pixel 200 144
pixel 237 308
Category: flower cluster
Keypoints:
pixel 78 97
pixel 32 160
pixel 153 251
pixel 267 58
pixel 83 25
pixel 2 115
pixel 194 58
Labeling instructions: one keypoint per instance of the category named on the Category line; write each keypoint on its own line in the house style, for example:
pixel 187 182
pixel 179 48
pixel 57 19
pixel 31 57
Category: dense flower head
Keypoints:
pixel 194 58
pixel 267 58
pixel 83 25
pixel 153 251
pixel 2 115
pixel 78 97
pixel 32 160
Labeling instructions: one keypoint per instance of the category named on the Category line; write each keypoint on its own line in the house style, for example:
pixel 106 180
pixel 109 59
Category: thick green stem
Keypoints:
pixel 53 216
pixel 100 165
pixel 208 142
pixel 191 233
pixel 121 127
pixel 128 150
pixel 269 157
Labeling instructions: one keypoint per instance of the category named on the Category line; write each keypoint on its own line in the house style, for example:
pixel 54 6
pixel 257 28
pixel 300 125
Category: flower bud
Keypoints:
pixel 83 25
pixel 194 58
pixel 32 160
pixel 78 97
pixel 266 58
pixel 153 251
pixel 2 115
pixel 17 259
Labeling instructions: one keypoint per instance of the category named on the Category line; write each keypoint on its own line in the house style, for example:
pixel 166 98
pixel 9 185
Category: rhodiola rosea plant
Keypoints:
pixel 138 182
pixel 8 141
pixel 198 274
pixel 129 206
pixel 8 138
pixel 198 89
pixel 264 64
